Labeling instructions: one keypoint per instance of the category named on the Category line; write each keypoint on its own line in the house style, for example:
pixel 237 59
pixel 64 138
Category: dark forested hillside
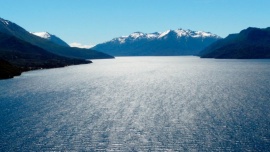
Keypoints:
pixel 17 55
pixel 251 43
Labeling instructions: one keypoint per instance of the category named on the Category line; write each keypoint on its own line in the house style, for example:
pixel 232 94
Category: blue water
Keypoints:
pixel 139 104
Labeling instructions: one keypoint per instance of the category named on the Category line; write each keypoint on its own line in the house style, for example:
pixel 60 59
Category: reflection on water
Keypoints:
pixel 139 104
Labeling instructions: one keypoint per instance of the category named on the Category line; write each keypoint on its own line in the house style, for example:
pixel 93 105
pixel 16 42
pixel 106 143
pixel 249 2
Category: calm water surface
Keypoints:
pixel 139 104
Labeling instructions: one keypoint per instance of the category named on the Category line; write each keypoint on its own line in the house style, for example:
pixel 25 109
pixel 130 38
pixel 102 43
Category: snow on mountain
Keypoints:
pixel 164 33
pixel 5 22
pixel 158 35
pixel 170 42
pixel 50 37
pixel 137 35
pixel 44 35
pixel 152 35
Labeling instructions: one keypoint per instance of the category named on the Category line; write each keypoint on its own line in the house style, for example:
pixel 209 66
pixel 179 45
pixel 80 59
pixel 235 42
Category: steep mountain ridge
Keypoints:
pixel 51 37
pixel 13 29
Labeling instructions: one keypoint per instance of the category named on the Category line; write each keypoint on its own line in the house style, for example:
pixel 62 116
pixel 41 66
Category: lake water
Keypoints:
pixel 139 104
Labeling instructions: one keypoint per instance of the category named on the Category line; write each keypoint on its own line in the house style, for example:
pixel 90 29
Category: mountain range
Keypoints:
pixel 251 43
pixel 21 50
pixel 168 43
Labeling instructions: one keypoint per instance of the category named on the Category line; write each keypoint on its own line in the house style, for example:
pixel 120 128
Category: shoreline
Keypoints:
pixel 9 71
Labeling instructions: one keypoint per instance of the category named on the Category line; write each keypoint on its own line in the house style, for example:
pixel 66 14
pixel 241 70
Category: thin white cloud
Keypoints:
pixel 79 45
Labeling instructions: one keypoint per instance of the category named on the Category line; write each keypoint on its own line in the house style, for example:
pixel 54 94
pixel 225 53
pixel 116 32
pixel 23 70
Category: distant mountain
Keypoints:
pixel 51 37
pixel 251 43
pixel 17 56
pixel 13 29
pixel 168 43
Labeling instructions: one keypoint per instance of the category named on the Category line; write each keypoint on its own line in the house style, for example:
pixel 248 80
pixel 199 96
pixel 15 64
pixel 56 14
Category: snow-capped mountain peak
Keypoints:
pixel 152 35
pixel 181 32
pixel 158 35
pixel 164 33
pixel 204 34
pixel 189 33
pixel 139 35
pixel 50 37
pixel 44 35
pixel 136 35
pixel 170 42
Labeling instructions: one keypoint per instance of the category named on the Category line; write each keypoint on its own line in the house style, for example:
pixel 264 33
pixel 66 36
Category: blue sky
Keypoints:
pixel 95 21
